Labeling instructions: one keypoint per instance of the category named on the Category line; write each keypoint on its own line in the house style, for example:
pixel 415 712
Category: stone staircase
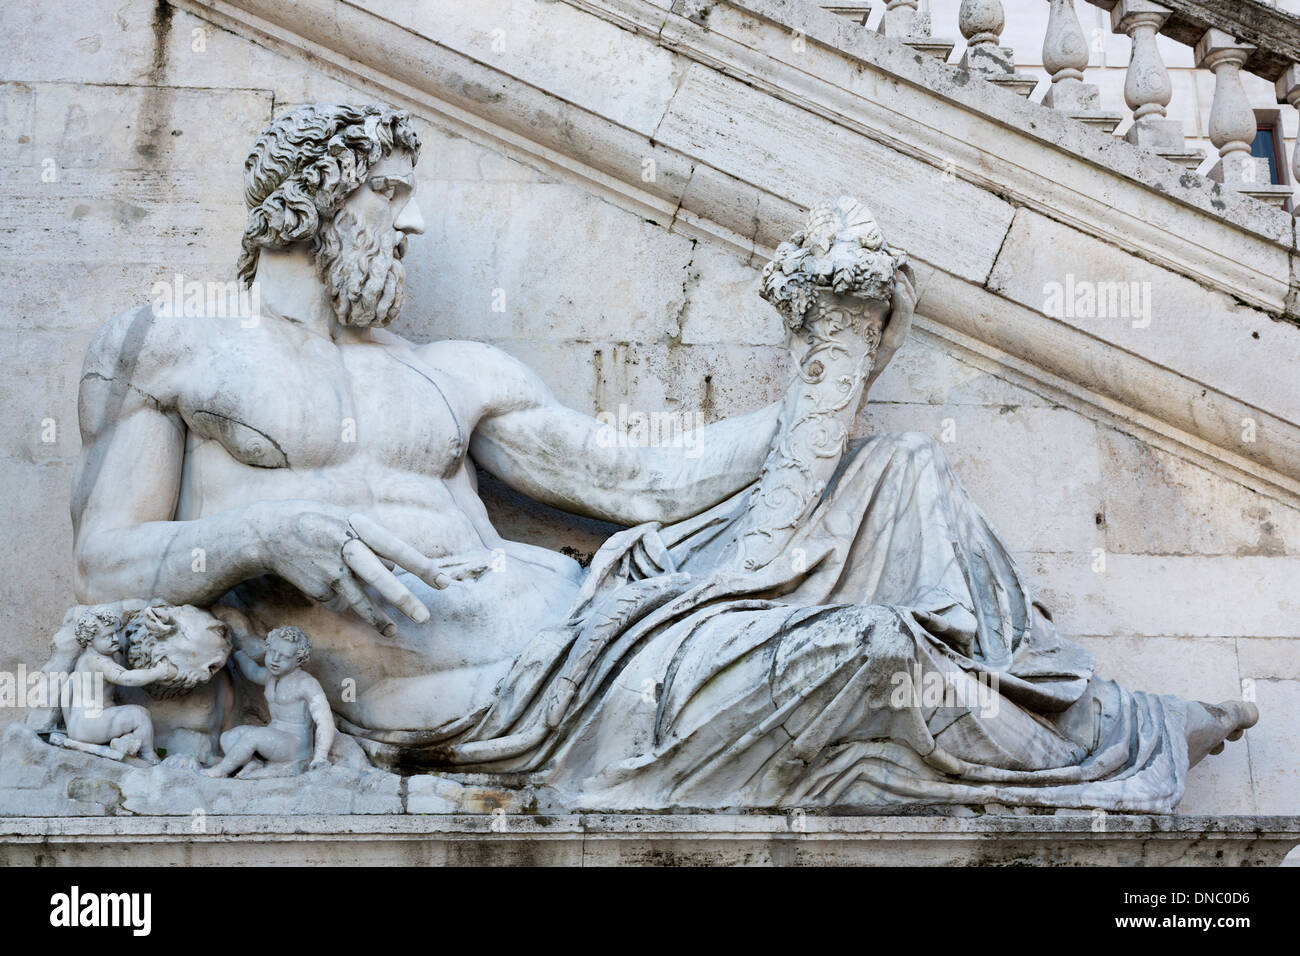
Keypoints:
pixel 1228 36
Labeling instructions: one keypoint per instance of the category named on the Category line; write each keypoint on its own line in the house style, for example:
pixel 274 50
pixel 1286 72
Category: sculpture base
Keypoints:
pixel 661 839
pixel 67 808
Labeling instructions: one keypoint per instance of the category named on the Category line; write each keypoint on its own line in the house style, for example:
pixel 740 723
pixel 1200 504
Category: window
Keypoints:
pixel 1266 147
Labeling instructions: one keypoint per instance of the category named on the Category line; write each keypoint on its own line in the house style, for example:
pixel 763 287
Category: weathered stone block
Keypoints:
pixel 1157 503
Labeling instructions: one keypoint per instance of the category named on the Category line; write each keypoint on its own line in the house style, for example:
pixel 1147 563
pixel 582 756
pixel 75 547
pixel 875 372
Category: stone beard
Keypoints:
pixel 362 270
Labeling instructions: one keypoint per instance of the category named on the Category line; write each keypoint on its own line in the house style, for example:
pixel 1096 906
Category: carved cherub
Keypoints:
pixel 127 728
pixel 297 703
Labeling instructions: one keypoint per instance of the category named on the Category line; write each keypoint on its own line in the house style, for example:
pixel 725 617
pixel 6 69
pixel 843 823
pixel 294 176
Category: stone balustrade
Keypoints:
pixel 1227 36
pixel 1065 57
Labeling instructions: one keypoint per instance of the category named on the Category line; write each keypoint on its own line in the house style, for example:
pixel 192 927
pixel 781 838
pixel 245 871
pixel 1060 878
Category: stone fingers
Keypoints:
pixel 385 544
pixel 369 568
pixel 347 588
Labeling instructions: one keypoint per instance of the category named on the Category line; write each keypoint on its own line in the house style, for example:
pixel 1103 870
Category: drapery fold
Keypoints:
pixel 680 681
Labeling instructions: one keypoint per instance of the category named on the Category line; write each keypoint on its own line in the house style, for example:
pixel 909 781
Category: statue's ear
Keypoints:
pixel 159 621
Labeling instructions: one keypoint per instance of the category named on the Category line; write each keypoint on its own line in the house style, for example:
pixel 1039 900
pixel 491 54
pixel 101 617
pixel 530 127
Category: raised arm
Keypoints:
pixel 249 668
pixel 564 458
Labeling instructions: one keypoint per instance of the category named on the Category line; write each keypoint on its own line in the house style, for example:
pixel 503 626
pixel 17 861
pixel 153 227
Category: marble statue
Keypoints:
pixel 171 685
pixel 758 635
pixel 126 728
pixel 301 729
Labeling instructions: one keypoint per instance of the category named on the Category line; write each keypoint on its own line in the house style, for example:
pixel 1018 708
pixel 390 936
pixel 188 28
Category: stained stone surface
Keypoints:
pixel 38 779
pixel 982 839
pixel 148 134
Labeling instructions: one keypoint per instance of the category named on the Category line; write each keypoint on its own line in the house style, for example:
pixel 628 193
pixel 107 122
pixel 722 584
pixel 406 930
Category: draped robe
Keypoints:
pixel 679 681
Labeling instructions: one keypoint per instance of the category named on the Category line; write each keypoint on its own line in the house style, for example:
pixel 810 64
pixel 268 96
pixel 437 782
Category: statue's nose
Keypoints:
pixel 409 220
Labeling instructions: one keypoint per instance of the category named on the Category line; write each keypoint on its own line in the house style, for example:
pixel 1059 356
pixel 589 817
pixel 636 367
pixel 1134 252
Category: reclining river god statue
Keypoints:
pixel 790 618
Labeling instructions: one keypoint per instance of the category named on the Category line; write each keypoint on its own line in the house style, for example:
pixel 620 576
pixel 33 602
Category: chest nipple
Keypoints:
pixel 244 442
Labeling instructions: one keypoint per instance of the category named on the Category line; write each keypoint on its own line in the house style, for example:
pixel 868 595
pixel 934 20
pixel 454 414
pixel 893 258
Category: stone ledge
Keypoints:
pixel 660 839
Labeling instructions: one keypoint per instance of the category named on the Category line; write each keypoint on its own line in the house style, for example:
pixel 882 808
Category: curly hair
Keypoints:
pixel 90 620
pixel 295 636
pixel 168 634
pixel 306 163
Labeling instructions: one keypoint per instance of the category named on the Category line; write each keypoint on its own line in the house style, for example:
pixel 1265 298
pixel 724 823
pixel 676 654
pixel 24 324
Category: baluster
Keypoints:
pixel 1147 87
pixel 981 23
pixel 1065 57
pixel 1232 120
pixel 1288 91
pixel 905 20
pixel 899 19
pixel 923 22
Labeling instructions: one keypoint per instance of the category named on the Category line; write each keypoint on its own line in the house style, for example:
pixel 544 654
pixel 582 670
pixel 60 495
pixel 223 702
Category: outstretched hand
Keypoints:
pixel 326 551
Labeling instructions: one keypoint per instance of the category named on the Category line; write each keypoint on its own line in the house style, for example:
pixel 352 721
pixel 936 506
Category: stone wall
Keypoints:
pixel 144 113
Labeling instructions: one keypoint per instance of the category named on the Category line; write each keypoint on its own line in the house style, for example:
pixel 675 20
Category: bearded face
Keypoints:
pixel 361 266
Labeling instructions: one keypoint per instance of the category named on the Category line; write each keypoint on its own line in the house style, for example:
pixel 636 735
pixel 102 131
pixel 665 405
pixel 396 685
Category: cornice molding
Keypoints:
pixel 876 92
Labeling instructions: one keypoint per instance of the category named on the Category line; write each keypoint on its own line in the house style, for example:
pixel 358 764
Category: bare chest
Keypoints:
pixel 284 404
pixel 283 704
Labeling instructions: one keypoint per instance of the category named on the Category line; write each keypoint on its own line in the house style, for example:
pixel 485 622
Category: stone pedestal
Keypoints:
pixel 1164 137
pixel 903 21
pixel 937 47
pixel 997 65
pixel 1156 133
pixel 113 814
pixel 1249 174
pixel 668 840
pixel 1082 101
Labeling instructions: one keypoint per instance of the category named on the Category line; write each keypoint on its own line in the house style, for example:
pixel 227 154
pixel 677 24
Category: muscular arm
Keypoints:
pixel 124 498
pixel 559 456
pixel 127 541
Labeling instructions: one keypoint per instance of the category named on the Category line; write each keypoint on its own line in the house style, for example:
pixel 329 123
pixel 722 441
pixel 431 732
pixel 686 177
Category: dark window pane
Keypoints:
pixel 1265 148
